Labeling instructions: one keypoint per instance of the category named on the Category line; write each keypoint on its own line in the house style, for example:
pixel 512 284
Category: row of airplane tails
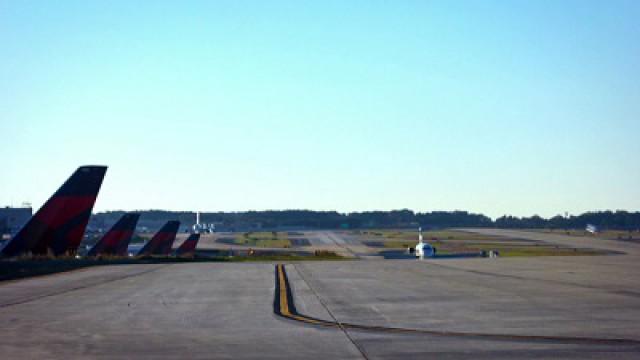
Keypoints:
pixel 58 227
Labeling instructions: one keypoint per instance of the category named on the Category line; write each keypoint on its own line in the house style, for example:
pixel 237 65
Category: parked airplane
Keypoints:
pixel 188 247
pixel 58 226
pixel 116 240
pixel 162 241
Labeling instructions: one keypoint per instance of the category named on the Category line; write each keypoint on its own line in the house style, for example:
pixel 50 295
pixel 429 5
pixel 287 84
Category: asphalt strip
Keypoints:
pixel 284 306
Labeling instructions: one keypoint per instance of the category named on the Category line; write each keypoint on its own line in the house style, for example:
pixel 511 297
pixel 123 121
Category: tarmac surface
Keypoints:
pixel 579 307
pixel 342 243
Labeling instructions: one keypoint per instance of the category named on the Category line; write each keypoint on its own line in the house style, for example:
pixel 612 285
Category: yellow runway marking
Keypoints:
pixel 285 307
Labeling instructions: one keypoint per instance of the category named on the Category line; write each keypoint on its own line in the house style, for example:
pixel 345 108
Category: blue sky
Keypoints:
pixel 506 107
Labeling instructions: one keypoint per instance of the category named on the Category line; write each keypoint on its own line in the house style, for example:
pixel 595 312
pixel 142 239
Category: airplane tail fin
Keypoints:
pixel 188 247
pixel 117 238
pixel 59 225
pixel 162 241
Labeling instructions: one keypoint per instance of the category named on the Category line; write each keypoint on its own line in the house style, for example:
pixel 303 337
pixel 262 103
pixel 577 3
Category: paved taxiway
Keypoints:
pixel 225 310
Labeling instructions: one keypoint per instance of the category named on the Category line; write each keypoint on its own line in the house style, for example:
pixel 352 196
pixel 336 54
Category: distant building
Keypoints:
pixel 13 219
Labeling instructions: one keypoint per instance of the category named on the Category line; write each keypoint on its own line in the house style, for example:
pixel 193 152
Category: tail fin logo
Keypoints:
pixel 188 246
pixel 59 224
pixel 116 240
pixel 162 241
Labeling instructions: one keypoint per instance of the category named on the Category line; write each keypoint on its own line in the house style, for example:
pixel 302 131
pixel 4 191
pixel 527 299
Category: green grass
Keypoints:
pixel 607 234
pixel 263 239
pixel 448 242
pixel 25 268
pixel 319 255
pixel 548 251
pixel 412 235
pixel 531 249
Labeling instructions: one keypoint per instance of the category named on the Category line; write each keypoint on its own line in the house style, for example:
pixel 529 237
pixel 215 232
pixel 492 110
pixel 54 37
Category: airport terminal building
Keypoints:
pixel 13 219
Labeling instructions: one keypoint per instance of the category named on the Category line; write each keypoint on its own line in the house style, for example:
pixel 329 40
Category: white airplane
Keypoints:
pixel 592 229
pixel 423 249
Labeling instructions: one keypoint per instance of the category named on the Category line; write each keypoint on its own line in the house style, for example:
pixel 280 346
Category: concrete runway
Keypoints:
pixel 225 310
pixel 342 243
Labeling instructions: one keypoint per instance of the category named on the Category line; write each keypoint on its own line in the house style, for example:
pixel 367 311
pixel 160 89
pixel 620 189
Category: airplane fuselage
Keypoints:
pixel 424 250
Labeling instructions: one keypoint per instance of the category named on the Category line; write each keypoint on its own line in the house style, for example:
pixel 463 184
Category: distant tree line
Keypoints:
pixel 618 220
pixel 621 220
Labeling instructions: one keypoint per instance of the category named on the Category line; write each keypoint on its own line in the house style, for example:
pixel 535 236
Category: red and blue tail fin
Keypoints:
pixel 188 247
pixel 162 241
pixel 117 238
pixel 59 225
pixel 123 245
pixel 166 246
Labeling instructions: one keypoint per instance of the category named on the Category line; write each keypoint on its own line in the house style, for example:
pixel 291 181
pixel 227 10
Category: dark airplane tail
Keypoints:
pixel 123 246
pixel 117 238
pixel 188 247
pixel 59 225
pixel 162 241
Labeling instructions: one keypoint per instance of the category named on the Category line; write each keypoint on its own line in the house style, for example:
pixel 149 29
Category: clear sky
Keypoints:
pixel 505 107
